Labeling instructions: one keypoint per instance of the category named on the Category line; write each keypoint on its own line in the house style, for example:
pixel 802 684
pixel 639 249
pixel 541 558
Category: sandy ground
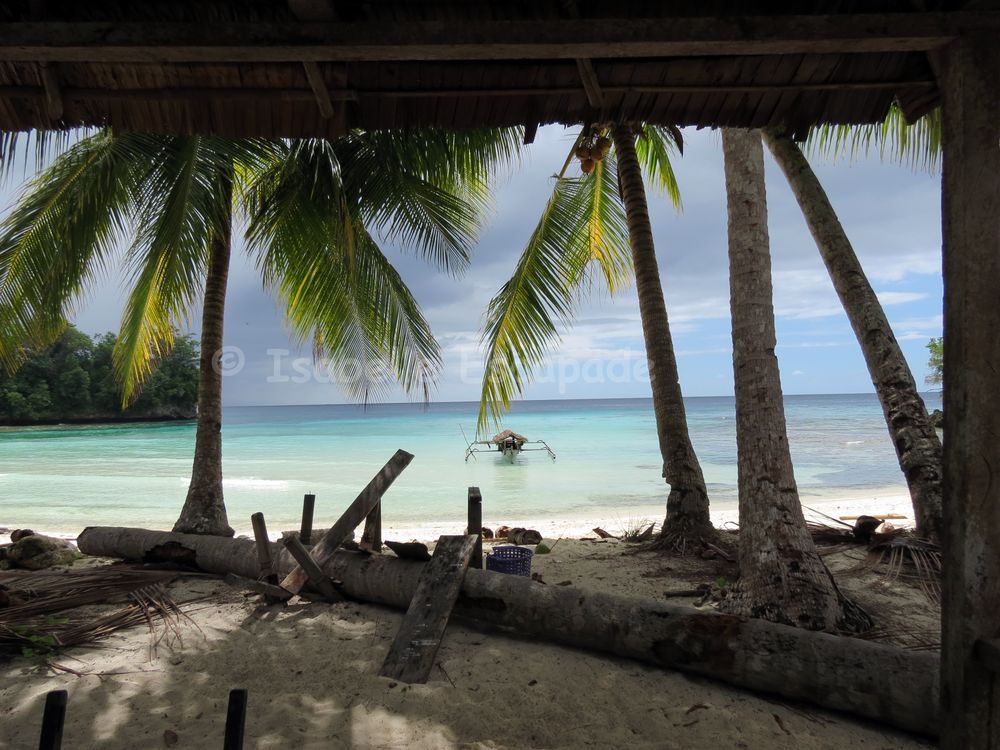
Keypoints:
pixel 311 670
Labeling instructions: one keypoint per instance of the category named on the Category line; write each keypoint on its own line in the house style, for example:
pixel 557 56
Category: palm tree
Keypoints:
pixel 782 577
pixel 917 445
pixel 601 220
pixel 312 207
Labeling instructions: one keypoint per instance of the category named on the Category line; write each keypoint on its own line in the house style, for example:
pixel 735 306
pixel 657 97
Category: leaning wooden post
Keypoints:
pixel 371 538
pixel 316 577
pixel 363 504
pixel 267 573
pixel 306 529
pixel 53 720
pixel 476 526
pixel 970 186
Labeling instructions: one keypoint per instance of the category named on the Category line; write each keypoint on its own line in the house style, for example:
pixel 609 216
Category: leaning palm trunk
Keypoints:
pixel 782 577
pixel 687 519
pixel 204 510
pixel 917 444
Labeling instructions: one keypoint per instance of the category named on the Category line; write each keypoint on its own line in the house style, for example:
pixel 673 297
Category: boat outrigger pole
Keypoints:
pixel 509 443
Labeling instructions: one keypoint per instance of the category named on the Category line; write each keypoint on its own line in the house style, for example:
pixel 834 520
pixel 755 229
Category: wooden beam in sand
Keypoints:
pixel 412 653
pixel 314 574
pixel 363 505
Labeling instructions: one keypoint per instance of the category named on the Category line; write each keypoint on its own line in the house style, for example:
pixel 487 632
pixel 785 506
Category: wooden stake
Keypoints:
pixel 236 719
pixel 306 529
pixel 412 653
pixel 364 503
pixel 263 549
pixel 53 720
pixel 476 526
pixel 316 577
pixel 371 539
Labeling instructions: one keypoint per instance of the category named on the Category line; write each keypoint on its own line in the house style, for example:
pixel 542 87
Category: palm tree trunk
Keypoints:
pixel 204 509
pixel 782 577
pixel 917 444
pixel 687 520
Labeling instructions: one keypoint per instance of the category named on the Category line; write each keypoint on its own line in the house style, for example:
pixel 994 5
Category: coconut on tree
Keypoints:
pixel 315 211
pixel 597 227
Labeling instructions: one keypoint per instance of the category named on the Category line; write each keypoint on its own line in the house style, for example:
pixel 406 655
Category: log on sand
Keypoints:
pixel 885 683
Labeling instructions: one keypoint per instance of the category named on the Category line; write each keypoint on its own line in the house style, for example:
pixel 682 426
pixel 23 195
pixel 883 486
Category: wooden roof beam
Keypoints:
pixel 315 77
pixel 496 40
pixel 314 10
pixel 54 106
pixel 591 84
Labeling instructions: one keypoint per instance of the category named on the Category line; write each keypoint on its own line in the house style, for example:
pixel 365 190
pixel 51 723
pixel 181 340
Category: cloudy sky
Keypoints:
pixel 891 214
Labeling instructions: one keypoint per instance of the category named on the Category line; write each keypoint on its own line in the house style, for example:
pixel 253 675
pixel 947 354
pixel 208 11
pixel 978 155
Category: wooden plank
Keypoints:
pixel 53 92
pixel 269 590
pixel 988 651
pixel 476 525
pixel 306 527
pixel 315 77
pixel 371 539
pixel 364 503
pixel 320 581
pixel 412 653
pixel 263 549
pixel 492 40
pixel 970 586
pixel 313 10
pixel 592 86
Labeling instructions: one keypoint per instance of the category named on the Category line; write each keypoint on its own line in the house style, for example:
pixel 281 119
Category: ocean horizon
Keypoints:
pixel 61 478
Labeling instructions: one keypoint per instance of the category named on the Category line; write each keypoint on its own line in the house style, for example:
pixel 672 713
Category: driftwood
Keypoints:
pixel 344 528
pixel 415 647
pixel 885 683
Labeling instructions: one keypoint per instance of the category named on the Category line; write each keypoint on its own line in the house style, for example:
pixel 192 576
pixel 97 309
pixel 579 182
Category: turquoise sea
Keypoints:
pixel 66 477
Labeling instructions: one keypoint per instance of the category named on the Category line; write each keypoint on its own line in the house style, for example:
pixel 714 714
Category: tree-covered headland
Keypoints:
pixel 73 380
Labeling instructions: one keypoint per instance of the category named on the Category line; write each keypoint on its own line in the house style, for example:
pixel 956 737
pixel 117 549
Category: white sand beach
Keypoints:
pixel 312 672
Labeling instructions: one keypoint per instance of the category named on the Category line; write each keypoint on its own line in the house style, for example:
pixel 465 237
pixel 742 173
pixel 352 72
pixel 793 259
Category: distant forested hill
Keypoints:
pixel 73 380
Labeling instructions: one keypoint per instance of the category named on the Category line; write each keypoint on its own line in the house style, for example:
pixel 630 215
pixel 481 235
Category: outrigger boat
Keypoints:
pixel 510 444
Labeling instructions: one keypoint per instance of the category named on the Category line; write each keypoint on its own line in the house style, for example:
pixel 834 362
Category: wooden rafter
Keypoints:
pixel 334 94
pixel 494 40
pixel 588 76
pixel 315 77
pixel 52 92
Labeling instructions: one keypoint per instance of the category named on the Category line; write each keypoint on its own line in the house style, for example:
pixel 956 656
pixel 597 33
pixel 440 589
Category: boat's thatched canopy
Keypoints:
pixel 317 67
pixel 501 437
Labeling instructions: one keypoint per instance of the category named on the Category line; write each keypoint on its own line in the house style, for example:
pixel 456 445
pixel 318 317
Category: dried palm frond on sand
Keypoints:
pixel 29 624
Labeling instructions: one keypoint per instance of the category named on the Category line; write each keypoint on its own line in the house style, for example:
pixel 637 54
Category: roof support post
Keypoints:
pixel 970 690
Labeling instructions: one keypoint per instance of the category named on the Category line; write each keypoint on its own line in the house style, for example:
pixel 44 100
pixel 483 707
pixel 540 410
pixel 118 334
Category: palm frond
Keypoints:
pixel 339 289
pixel 59 236
pixel 583 227
pixel 186 200
pixel 32 151
pixel 655 146
pixel 917 145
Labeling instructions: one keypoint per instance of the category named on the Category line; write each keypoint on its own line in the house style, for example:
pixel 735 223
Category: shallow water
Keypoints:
pixel 64 478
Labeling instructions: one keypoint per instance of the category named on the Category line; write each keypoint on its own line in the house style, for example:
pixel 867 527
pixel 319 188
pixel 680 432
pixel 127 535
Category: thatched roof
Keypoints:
pixel 317 67
pixel 507 435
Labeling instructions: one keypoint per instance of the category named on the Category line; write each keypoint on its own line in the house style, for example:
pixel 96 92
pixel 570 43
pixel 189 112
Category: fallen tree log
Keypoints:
pixel 885 683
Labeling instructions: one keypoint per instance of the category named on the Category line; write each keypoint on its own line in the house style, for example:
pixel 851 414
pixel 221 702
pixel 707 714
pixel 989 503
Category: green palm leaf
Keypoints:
pixel 917 145
pixel 583 228
pixel 59 235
